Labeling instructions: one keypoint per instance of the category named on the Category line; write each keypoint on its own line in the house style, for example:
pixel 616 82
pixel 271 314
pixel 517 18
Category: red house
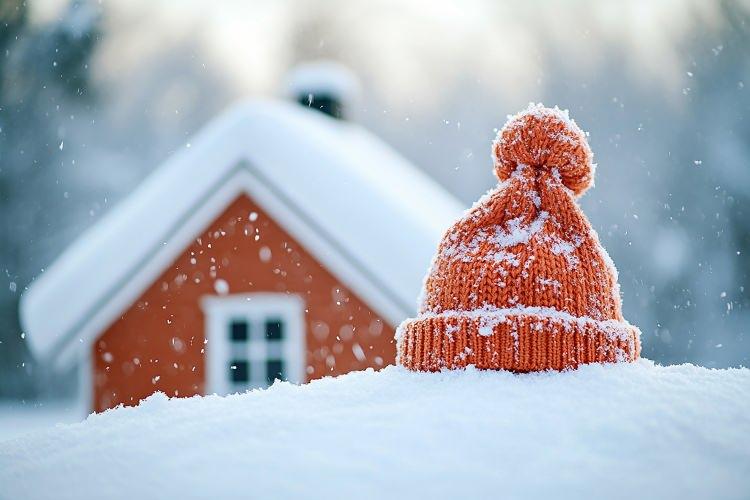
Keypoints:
pixel 280 243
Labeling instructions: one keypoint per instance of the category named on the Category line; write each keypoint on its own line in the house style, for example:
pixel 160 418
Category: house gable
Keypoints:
pixel 157 344
pixel 244 178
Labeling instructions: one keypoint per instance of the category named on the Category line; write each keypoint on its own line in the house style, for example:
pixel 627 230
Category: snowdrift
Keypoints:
pixel 628 430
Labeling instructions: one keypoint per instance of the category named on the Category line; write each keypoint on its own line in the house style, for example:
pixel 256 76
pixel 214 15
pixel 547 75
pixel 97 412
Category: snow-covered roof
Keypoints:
pixel 624 430
pixel 381 216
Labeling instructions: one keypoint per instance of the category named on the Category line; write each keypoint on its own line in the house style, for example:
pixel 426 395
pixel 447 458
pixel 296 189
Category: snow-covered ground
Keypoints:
pixel 628 430
pixel 17 419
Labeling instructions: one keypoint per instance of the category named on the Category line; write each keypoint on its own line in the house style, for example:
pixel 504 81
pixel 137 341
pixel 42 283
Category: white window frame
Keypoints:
pixel 255 308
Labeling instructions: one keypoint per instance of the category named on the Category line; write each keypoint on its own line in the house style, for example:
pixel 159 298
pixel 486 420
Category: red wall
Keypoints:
pixel 157 344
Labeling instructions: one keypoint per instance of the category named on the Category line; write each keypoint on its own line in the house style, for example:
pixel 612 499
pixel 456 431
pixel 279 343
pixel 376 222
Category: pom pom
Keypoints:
pixel 545 138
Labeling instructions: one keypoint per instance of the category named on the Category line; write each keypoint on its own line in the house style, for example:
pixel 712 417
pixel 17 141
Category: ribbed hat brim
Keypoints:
pixel 519 340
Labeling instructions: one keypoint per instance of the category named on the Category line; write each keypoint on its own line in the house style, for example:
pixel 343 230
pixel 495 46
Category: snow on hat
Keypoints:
pixel 521 282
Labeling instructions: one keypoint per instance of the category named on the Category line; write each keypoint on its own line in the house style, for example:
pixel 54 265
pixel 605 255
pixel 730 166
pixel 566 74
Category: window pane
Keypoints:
pixel 239 371
pixel 274 329
pixel 238 331
pixel 274 370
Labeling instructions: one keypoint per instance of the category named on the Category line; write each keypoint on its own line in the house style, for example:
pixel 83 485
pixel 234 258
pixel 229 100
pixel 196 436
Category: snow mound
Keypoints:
pixel 620 430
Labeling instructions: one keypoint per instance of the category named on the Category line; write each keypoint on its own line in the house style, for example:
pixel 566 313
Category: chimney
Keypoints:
pixel 327 86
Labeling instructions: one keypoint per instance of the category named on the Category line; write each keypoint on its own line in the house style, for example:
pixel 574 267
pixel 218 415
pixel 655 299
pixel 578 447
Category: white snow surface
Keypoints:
pixel 602 431
pixel 372 202
pixel 19 418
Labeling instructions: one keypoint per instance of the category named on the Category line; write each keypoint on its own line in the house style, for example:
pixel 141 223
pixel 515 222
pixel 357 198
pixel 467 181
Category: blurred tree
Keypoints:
pixel 43 81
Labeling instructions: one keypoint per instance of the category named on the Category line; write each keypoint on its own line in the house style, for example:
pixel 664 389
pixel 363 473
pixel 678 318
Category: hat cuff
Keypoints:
pixel 521 339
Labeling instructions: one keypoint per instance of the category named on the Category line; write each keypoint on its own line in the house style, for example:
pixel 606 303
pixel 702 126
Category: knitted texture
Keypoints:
pixel 521 282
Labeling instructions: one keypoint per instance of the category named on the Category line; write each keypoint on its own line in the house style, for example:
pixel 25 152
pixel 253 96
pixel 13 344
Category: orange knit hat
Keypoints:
pixel 521 282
